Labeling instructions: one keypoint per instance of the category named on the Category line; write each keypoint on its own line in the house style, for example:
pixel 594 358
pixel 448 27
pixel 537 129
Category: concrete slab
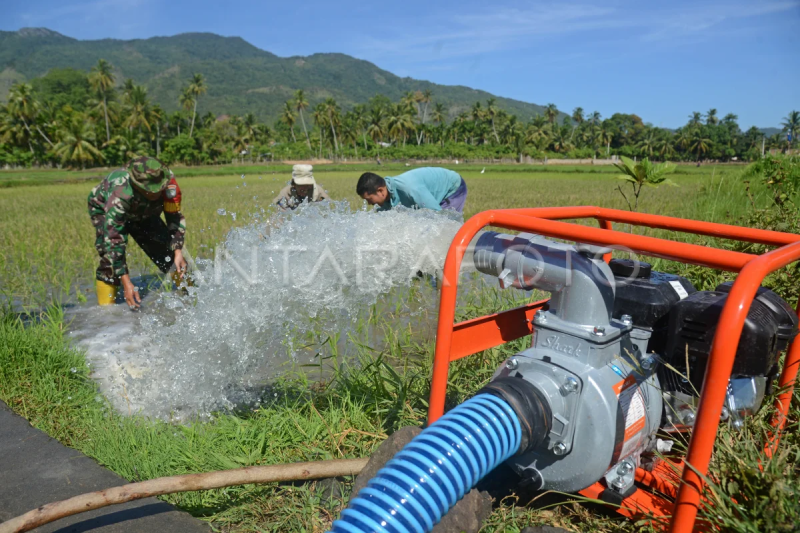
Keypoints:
pixel 36 469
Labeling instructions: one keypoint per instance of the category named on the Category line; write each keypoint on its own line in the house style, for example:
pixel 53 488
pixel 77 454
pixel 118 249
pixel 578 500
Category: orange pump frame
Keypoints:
pixel 455 341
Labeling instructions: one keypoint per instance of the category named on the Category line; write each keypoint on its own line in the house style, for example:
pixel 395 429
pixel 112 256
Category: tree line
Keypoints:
pixel 72 119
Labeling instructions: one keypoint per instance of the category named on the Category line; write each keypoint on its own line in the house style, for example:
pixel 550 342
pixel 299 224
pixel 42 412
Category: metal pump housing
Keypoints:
pixel 601 386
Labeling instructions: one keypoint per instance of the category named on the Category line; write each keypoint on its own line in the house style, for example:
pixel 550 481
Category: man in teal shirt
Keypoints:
pixel 423 188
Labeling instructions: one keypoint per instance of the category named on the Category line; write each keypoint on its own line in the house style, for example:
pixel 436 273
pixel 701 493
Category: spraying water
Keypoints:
pixel 270 286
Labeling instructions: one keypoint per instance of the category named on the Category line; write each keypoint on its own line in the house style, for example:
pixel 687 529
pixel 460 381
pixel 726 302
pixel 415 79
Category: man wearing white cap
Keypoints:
pixel 302 187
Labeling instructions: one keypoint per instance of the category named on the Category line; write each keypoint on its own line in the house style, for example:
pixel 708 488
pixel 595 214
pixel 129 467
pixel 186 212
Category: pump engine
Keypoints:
pixel 619 354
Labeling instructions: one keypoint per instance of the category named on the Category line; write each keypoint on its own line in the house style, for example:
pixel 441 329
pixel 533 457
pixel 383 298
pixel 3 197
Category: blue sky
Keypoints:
pixel 660 60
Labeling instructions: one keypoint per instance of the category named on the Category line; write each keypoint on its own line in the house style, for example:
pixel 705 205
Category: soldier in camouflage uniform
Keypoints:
pixel 129 202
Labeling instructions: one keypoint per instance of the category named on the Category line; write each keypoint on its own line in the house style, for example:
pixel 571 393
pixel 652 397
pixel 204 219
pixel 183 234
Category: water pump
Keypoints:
pixel 600 382
pixel 615 366
pixel 608 355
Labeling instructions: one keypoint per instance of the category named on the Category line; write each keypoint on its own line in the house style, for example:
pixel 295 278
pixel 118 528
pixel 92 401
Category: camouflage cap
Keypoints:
pixel 148 173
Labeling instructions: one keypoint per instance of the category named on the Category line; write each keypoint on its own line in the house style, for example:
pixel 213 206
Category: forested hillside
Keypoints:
pixel 241 78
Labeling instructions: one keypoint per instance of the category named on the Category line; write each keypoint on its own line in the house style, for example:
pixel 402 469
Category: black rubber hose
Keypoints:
pixel 530 405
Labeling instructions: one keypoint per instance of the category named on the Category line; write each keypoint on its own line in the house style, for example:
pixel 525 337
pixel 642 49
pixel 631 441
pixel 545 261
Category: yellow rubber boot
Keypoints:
pixel 106 293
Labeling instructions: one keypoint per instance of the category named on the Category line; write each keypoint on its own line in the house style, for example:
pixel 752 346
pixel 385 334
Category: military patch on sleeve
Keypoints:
pixel 172 197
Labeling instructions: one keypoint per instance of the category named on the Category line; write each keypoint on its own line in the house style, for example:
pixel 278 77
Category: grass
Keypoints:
pixel 47 381
pixel 47 254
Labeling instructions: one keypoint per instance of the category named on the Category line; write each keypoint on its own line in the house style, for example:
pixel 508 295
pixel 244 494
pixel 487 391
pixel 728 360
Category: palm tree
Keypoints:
pixel 13 131
pixel 288 117
pixel 491 112
pixel 536 133
pixel 711 117
pixel 320 119
pixel 375 126
pixel 124 146
pixel 469 129
pixel 606 136
pixel 458 124
pixel 350 131
pixel 332 109
pixel 300 103
pixel 560 139
pixel 157 115
pixel 208 119
pixel 695 118
pixel 577 115
pixel 684 138
pixel 399 123
pixel 427 98
pixel 176 119
pixel 410 102
pixel 127 89
pixel 512 132
pixel 791 123
pixel 240 141
pixel 648 144
pixel 139 111
pixel 23 106
pixel 477 112
pixel 730 119
pixel 551 112
pixel 197 86
pixel 101 79
pixel 438 114
pixel 643 173
pixel 359 115
pixel 595 118
pixel 422 97
pixel 700 144
pixel 104 108
pixel 251 127
pixel 75 146
pixel 665 148
pixel 188 102
pixel 586 136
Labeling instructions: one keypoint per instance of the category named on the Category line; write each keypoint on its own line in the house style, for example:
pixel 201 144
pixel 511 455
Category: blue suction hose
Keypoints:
pixel 430 474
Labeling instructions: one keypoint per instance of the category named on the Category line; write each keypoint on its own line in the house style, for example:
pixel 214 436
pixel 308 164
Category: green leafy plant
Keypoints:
pixel 781 177
pixel 642 174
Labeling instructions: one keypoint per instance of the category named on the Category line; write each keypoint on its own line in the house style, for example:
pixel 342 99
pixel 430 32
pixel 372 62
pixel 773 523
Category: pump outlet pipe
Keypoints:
pixel 430 474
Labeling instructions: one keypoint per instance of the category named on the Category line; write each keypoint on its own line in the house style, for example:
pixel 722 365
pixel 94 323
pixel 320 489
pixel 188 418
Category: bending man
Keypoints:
pixel 127 202
pixel 427 187
pixel 302 187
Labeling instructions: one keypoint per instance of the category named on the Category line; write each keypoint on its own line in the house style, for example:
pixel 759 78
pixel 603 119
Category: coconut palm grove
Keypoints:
pixel 74 119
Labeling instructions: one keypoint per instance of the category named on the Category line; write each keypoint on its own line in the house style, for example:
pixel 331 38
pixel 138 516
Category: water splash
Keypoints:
pixel 271 287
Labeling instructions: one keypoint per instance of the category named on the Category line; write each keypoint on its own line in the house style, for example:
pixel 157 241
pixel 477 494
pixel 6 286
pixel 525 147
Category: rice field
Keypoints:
pixel 47 242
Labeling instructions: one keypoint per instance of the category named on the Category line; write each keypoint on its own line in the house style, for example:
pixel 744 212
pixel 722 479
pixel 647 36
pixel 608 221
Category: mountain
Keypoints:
pixel 240 77
pixel 769 132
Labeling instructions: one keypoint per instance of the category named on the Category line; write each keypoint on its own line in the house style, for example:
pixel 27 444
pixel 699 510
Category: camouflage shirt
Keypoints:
pixel 114 203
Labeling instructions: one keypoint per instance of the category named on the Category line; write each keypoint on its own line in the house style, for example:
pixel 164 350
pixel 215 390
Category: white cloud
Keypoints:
pixel 454 35
pixel 83 12
pixel 703 19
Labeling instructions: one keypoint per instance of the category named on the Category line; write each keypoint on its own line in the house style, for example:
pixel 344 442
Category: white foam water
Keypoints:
pixel 272 286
